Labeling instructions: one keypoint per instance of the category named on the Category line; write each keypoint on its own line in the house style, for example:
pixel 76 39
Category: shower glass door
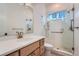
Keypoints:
pixel 60 31
pixel 67 36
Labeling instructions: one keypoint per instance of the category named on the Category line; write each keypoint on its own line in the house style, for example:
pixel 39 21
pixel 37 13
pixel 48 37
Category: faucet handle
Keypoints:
pixel 16 32
pixel 21 33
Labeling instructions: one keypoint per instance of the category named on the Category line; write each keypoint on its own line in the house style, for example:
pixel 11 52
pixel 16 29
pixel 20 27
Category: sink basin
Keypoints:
pixel 27 38
pixel 7 38
pixel 24 39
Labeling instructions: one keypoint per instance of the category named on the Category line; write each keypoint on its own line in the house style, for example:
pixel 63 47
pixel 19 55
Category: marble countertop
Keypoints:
pixel 13 44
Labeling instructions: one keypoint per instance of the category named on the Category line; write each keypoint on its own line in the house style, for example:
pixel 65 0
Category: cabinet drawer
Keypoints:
pixel 42 50
pixel 36 52
pixel 27 50
pixel 14 54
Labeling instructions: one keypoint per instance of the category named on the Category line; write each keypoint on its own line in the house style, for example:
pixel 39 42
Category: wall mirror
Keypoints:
pixel 16 17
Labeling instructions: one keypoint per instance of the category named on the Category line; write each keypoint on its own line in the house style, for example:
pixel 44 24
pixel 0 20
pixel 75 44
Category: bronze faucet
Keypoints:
pixel 19 35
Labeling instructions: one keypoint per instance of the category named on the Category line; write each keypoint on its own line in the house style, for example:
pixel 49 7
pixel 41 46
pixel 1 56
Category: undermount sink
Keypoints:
pixel 7 38
pixel 27 38
pixel 24 39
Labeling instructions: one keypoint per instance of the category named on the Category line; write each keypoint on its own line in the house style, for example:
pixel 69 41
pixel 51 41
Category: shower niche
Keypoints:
pixel 29 25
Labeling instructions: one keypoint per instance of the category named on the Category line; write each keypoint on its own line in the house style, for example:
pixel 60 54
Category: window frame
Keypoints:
pixel 56 15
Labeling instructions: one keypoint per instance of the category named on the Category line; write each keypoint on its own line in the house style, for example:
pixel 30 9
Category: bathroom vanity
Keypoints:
pixel 33 46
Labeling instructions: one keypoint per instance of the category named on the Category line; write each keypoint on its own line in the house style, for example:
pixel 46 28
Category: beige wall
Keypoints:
pixel 38 11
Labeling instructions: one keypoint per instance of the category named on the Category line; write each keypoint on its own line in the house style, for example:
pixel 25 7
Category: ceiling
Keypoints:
pixel 59 6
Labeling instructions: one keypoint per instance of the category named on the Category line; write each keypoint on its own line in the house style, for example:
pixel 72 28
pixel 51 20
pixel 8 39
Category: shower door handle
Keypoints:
pixel 76 27
pixel 71 26
pixel 56 32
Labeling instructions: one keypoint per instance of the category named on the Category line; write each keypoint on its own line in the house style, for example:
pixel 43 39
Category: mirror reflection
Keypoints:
pixel 15 17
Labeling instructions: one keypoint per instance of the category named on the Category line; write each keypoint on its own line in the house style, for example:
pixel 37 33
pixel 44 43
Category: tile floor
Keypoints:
pixel 51 54
pixel 56 53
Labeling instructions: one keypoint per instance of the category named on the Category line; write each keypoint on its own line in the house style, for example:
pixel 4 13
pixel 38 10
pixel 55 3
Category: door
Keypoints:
pixel 55 33
pixel 67 36
pixel 60 33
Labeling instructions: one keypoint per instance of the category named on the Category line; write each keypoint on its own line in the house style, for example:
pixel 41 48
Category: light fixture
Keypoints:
pixel 28 5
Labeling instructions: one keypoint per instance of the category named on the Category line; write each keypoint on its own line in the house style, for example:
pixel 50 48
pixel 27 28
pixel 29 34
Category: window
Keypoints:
pixel 56 16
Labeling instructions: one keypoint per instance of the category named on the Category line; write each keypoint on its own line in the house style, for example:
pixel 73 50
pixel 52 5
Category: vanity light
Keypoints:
pixel 28 5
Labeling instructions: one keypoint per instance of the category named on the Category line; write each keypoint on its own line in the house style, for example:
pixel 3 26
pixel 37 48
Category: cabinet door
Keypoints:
pixel 41 42
pixel 29 49
pixel 36 52
pixel 14 54
pixel 42 50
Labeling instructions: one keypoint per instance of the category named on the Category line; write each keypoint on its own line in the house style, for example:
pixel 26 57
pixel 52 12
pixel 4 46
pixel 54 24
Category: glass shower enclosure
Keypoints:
pixel 60 30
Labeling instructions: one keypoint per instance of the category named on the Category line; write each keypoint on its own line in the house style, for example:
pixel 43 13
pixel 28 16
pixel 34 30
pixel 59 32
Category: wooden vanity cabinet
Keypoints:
pixel 29 49
pixel 35 53
pixel 34 49
pixel 42 49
